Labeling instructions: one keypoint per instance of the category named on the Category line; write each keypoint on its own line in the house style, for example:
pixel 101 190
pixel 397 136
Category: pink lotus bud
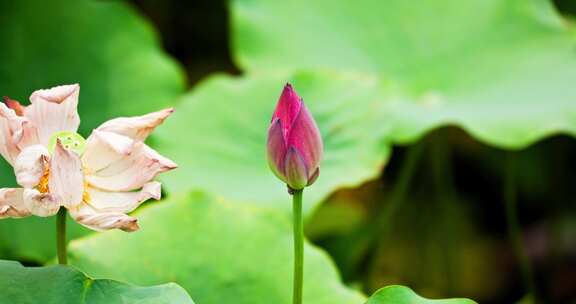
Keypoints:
pixel 294 142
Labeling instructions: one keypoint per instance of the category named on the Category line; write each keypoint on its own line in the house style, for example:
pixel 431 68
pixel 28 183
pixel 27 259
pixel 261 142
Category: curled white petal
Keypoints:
pixel 40 204
pixel 53 110
pixel 27 135
pixel 104 148
pixel 137 127
pixel 58 94
pixel 66 179
pixel 124 202
pixel 30 165
pixel 12 203
pixel 24 132
pixel 121 170
pixel 10 133
pixel 94 219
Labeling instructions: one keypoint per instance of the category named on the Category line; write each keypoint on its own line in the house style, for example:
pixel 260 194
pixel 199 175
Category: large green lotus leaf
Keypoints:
pixel 66 285
pixel 504 70
pixel 403 295
pixel 218 135
pixel 220 252
pixel 103 45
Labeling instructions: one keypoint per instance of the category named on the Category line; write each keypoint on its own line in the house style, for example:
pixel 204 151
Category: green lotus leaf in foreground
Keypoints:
pixel 220 252
pixel 62 284
pixel 403 295
pixel 118 63
pixel 218 135
pixel 505 73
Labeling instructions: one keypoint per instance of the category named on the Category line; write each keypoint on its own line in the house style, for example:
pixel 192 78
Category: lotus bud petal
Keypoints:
pixel 294 142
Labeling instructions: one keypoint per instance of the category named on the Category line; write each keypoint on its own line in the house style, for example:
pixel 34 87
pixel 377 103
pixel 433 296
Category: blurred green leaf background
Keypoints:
pixel 437 115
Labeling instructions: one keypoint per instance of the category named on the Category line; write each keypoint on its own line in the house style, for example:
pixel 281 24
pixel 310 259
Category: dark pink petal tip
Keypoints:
pixel 288 107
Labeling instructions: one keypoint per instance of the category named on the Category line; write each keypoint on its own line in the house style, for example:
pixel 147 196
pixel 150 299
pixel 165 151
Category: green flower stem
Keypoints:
pixel 514 229
pixel 298 246
pixel 61 236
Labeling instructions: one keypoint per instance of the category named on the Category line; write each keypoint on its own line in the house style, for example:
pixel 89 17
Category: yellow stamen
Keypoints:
pixel 43 184
pixel 86 195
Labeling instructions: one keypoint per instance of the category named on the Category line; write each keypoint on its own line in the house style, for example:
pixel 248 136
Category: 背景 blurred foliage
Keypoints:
pixel 390 83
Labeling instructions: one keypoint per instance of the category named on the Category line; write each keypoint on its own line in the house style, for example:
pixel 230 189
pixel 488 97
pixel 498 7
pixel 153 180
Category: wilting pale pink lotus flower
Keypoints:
pixel 294 142
pixel 98 180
